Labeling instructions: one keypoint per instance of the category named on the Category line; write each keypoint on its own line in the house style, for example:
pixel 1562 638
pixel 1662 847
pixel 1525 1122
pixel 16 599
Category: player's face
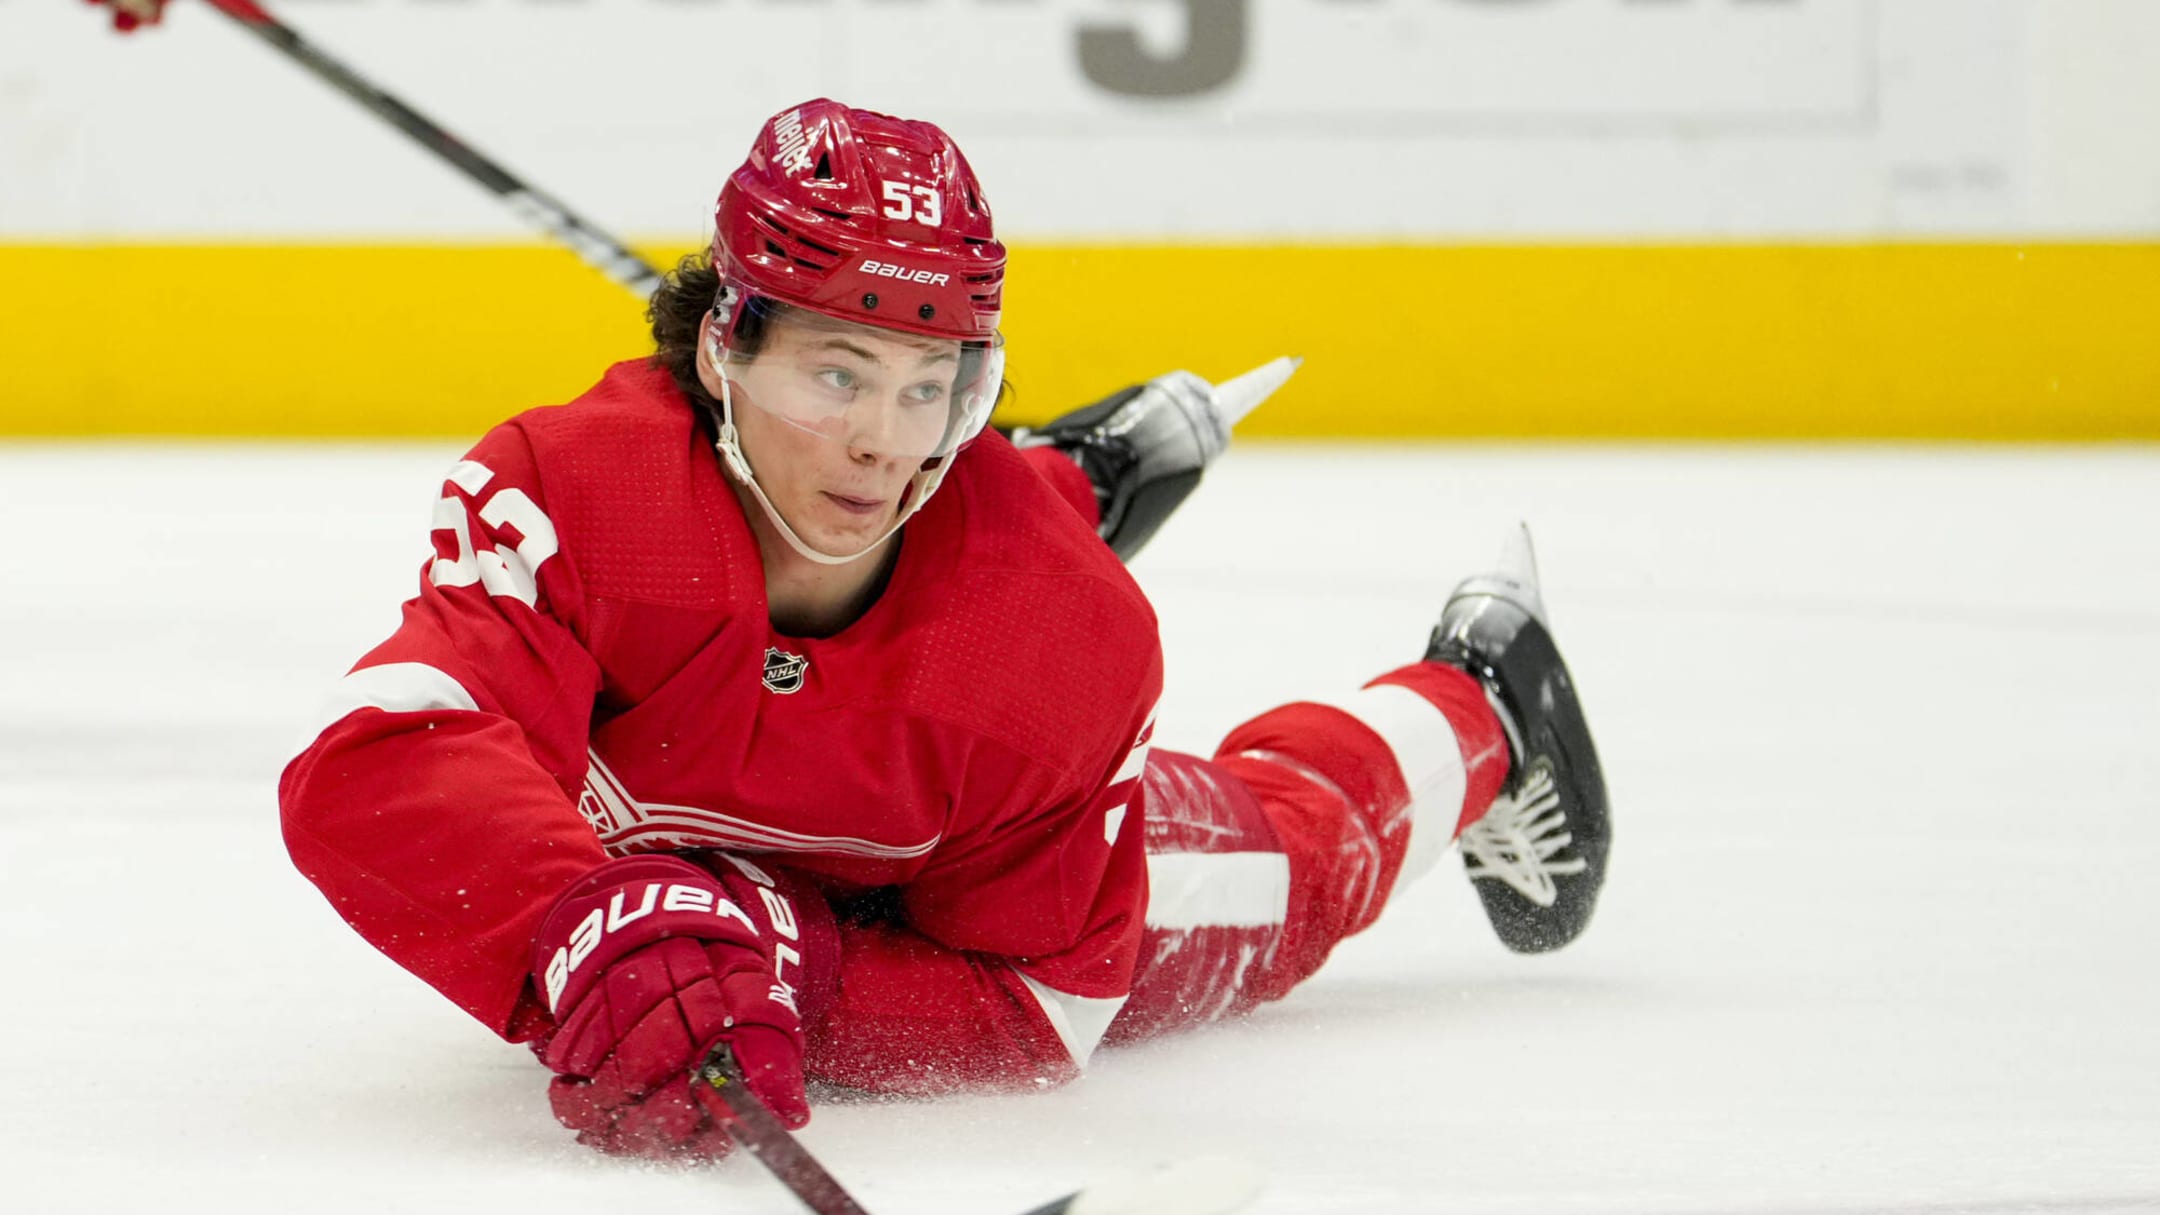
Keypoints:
pixel 836 419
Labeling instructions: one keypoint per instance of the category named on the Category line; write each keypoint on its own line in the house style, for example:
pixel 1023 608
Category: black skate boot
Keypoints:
pixel 1144 447
pixel 1537 858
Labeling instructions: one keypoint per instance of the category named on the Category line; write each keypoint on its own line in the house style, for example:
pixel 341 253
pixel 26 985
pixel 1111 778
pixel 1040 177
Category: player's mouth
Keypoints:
pixel 854 505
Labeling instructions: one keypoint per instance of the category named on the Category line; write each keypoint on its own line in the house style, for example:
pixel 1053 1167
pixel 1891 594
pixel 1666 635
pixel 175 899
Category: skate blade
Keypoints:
pixel 1240 395
pixel 1515 579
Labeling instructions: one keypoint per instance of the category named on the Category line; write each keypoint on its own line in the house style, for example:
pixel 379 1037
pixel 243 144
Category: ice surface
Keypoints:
pixel 1882 729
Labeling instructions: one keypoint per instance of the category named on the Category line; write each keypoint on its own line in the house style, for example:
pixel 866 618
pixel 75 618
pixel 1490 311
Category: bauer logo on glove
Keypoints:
pixel 591 931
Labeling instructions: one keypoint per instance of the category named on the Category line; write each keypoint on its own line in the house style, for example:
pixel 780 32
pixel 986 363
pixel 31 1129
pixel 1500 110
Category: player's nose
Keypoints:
pixel 878 428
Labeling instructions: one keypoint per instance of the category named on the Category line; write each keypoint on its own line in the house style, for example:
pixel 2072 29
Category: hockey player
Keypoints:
pixel 763 697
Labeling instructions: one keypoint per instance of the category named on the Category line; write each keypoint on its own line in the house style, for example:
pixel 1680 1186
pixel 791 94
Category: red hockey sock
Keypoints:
pixel 1478 734
pixel 1347 798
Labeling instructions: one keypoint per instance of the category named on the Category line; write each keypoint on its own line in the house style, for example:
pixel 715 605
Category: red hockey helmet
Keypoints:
pixel 864 217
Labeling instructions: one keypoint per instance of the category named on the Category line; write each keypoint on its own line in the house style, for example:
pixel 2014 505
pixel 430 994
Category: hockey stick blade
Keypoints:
pixel 719 1087
pixel 1238 396
pixel 599 250
pixel 1204 1185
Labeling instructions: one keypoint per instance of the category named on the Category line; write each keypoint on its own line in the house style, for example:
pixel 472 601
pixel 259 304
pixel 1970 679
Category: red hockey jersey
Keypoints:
pixel 588 670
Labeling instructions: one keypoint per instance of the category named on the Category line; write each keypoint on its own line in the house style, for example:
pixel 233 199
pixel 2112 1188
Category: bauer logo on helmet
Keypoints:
pixel 903 274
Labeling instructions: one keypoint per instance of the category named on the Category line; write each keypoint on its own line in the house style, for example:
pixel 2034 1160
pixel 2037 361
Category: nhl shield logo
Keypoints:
pixel 784 671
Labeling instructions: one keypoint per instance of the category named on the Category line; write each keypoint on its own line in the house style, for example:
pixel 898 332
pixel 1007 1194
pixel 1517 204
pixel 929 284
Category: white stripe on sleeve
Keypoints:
pixel 394 687
pixel 1430 758
pixel 1080 1021
pixel 1217 889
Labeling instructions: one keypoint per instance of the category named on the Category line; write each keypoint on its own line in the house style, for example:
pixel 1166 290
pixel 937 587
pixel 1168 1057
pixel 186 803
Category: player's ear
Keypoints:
pixel 709 353
pixel 718 345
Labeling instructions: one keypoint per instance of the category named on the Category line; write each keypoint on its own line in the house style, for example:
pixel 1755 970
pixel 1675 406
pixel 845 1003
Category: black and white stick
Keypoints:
pixel 600 250
pixel 1204 1186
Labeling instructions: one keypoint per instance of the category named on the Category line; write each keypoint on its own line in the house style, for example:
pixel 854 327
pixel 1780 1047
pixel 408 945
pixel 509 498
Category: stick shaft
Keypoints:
pixel 600 250
pixel 719 1085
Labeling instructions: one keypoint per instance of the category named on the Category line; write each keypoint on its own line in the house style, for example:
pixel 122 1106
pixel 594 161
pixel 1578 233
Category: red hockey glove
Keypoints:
pixel 128 15
pixel 650 961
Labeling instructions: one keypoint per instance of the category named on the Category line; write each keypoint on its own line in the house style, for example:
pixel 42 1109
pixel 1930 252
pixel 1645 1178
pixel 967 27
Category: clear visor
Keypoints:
pixel 866 388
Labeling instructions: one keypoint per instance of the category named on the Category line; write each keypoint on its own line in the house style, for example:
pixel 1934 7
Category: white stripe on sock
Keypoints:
pixel 1217 889
pixel 1430 759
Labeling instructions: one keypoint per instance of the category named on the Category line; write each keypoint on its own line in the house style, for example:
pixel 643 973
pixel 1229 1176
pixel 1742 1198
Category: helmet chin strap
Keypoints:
pixel 920 486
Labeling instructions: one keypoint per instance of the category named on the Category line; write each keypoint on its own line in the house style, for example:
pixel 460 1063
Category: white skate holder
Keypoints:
pixel 1240 395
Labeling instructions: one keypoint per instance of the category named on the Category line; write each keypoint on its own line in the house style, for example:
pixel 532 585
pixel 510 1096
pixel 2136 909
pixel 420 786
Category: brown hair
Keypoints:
pixel 677 311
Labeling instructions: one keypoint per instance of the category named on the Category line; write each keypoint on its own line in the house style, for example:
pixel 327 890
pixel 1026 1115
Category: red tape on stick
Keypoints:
pixel 245 10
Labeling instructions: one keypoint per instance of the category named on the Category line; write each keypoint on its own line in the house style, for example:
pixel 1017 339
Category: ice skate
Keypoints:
pixel 1144 447
pixel 1537 857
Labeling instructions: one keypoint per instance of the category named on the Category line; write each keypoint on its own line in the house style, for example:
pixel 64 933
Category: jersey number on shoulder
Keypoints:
pixel 513 572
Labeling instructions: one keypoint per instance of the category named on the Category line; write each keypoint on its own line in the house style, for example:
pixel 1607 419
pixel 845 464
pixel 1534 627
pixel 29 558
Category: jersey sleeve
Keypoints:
pixel 1006 963
pixel 435 809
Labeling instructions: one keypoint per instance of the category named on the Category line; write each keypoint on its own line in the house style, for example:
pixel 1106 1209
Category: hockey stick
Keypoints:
pixel 1207 1186
pixel 719 1085
pixel 600 251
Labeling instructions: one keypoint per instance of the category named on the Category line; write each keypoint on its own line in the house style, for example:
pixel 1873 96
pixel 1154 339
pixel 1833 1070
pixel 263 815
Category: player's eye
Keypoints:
pixel 929 392
pixel 839 379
